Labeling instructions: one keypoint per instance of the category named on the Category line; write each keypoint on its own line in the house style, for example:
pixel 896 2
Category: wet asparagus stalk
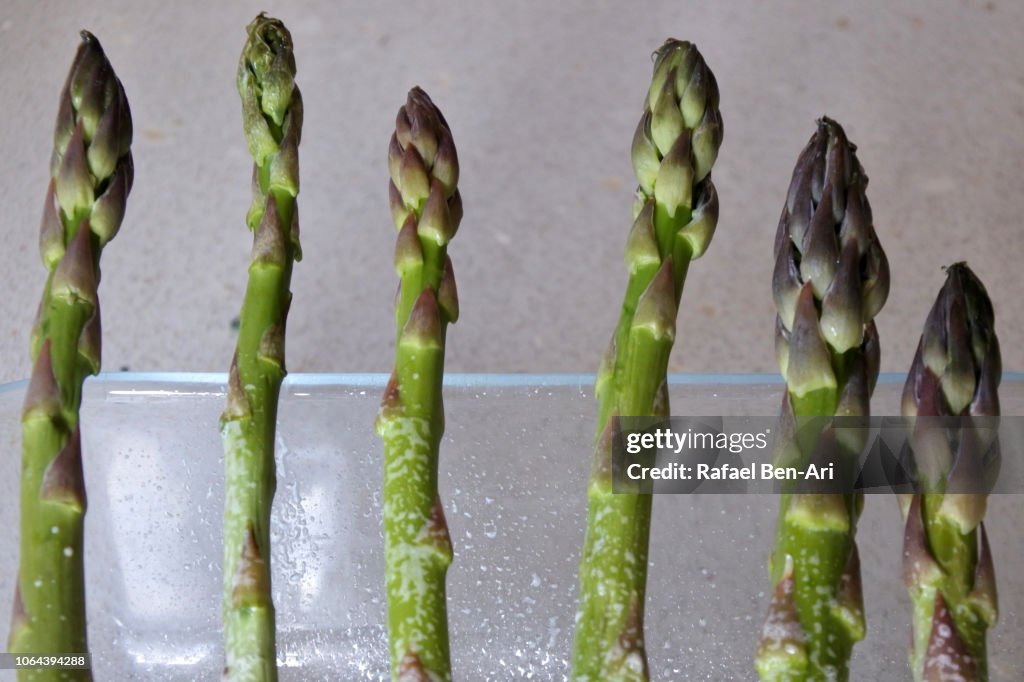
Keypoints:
pixel 831 279
pixel 675 214
pixel 91 176
pixel 947 562
pixel 272 120
pixel 426 209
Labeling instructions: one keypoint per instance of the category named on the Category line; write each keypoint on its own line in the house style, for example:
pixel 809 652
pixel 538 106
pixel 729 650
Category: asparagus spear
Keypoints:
pixel 91 176
pixel 272 120
pixel 947 562
pixel 831 279
pixel 426 209
pixel 675 214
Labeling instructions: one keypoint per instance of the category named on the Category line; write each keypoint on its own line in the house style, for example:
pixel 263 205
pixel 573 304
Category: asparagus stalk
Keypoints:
pixel 426 209
pixel 947 562
pixel 272 120
pixel 675 214
pixel 91 175
pixel 831 279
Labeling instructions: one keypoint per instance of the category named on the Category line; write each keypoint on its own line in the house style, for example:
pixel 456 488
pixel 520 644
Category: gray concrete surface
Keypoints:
pixel 543 99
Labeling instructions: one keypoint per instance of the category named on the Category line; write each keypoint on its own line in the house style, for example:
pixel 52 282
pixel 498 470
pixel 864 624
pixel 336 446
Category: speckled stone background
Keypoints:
pixel 543 99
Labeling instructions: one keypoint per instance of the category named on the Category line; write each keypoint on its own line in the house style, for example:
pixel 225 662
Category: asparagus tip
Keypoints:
pixel 269 56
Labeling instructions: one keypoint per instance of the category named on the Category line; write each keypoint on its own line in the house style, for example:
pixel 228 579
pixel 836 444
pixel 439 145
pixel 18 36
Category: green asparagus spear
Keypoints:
pixel 831 279
pixel 272 120
pixel 426 209
pixel 91 176
pixel 675 214
pixel 947 564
